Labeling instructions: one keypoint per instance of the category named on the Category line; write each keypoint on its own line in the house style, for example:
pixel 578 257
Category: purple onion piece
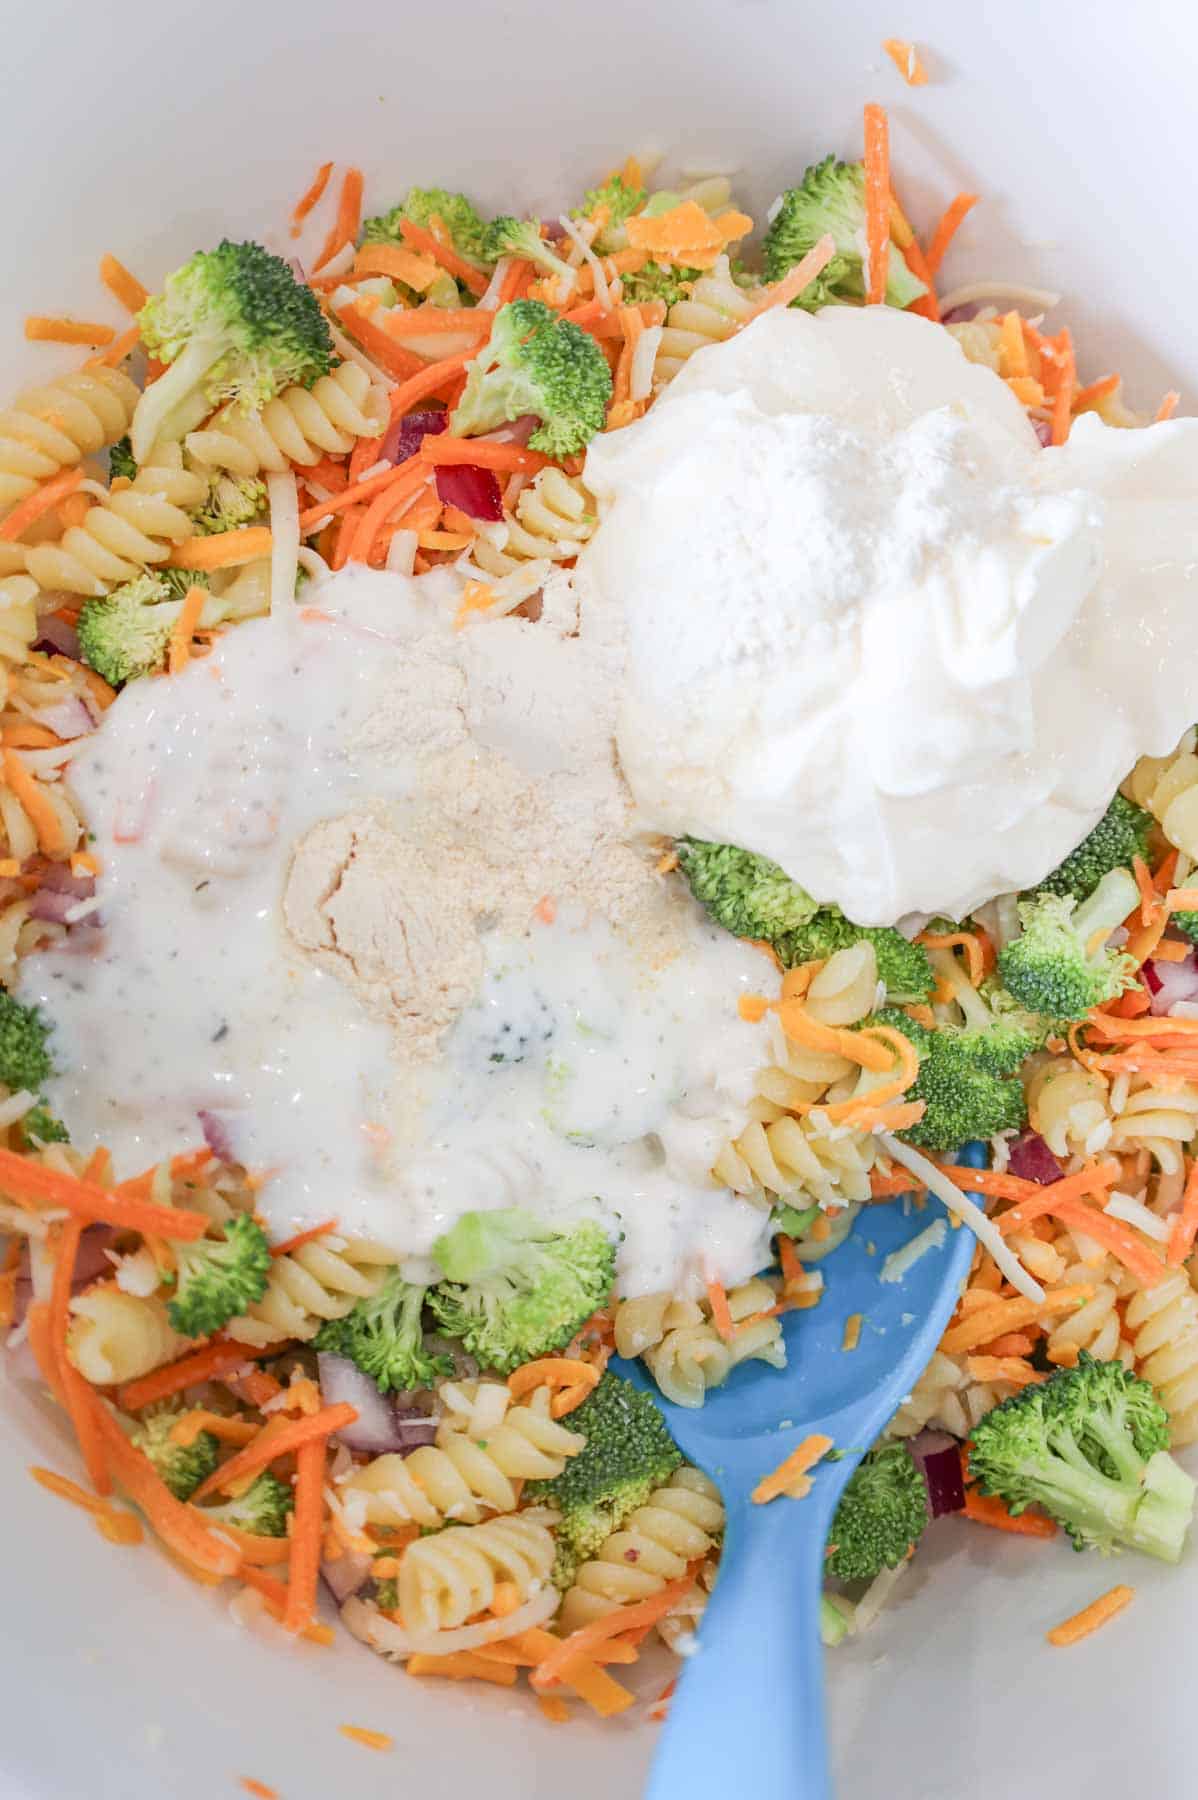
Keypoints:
pixel 1152 980
pixel 414 1433
pixel 553 229
pixel 1043 430
pixel 67 718
pixel 58 879
pixel 346 1575
pixel 376 1428
pixel 407 434
pixel 961 315
pixel 939 1456
pixel 55 634
pixel 1169 983
pixel 472 490
pixel 52 907
pixel 513 431
pixel 218 1134
pixel 1032 1160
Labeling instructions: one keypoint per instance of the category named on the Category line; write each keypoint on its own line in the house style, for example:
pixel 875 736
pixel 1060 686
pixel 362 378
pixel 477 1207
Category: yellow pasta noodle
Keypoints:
pixel 301 426
pixel 321 1280
pixel 715 308
pixel 679 1523
pixel 554 517
pixel 130 530
pixel 447 1578
pixel 1168 787
pixel 115 1337
pixel 689 1356
pixel 52 427
pixel 1162 1326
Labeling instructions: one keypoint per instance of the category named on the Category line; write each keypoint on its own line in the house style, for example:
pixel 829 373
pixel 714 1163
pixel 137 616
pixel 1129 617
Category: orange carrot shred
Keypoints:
pixel 877 202
pixel 293 1435
pixel 222 550
pixel 259 1788
pixel 1185 1222
pixel 462 271
pixel 39 329
pixel 303 1237
pixel 184 629
pixel 791 1473
pixel 306 1534
pixel 1167 407
pixel 947 229
pixel 987 1509
pixel 373 1740
pixel 906 60
pixel 310 197
pixel 45 820
pixel 41 501
pixel 349 216
pixel 122 285
pixel 1082 1624
pixel 75 1390
pixel 578 1646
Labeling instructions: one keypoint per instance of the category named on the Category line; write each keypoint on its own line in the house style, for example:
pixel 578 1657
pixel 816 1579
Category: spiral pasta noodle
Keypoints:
pixel 301 426
pixel 715 309
pixel 1068 1106
pixel 321 1280
pixel 447 1578
pixel 115 1337
pixel 1167 786
pixel 130 530
pixel 678 1524
pixel 1162 1327
pixel 554 517
pixel 1156 1117
pixel 682 1348
pixel 946 1398
pixel 51 427
pixel 462 1478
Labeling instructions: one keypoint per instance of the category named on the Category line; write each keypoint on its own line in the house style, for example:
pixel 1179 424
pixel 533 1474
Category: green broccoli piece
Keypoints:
pixel 1186 922
pixel 120 460
pixel 657 282
pixel 263 1509
pixel 1091 1446
pixel 835 1619
pixel 127 633
pixel 516 1288
pixel 39 1126
pixel 1059 964
pixel 791 1222
pixel 537 363
pixel 882 1513
pixel 384 1337
pixel 629 1452
pixel 831 198
pixel 218 1278
pixel 522 237
pixel 969 1087
pixel 468 231
pixel 386 1594
pixel 234 323
pixel 621 201
pixel 752 897
pixel 181 1466
pixel 230 503
pixel 1119 836
pixel 25 1060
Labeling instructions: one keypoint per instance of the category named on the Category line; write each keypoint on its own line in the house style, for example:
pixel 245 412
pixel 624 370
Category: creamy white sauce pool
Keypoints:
pixel 583 1075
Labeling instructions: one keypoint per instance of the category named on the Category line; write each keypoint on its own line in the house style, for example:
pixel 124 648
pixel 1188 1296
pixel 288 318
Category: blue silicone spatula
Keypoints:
pixel 748 1715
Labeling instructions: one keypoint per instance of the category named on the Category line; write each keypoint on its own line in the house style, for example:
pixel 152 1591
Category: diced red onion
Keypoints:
pixel 474 491
pixel 345 1575
pixel 68 718
pixel 939 1456
pixel 58 878
pixel 1171 983
pixel 218 1129
pixel 52 907
pixel 90 1263
pixel 375 1429
pixel 553 229
pixel 1032 1160
pixel 407 434
pixel 57 634
pixel 513 431
pixel 1043 430
pixel 961 315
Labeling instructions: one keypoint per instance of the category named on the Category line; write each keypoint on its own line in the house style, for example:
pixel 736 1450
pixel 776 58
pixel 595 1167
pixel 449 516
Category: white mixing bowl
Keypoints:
pixel 151 129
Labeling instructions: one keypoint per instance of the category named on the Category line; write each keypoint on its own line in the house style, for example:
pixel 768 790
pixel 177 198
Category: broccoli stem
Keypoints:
pixel 1108 906
pixel 172 387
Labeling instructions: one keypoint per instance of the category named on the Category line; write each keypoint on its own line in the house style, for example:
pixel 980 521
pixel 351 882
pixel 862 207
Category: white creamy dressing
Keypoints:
pixel 623 1066
pixel 872 629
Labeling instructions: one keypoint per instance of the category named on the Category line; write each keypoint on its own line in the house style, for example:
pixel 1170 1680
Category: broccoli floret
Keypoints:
pixel 629 1452
pixel 620 201
pixel 466 228
pixel 39 1126
pixel 752 897
pixel 831 198
pixel 1186 922
pixel 1059 965
pixel 1119 836
pixel 120 460
pixel 882 1513
pixel 835 1619
pixel 236 324
pixel 384 1337
pixel 522 237
pixel 25 1060
pixel 1090 1446
pixel 262 1509
pixel 218 1278
pixel 968 1085
pixel 791 1222
pixel 128 632
pixel 537 363
pixel 656 282
pixel 516 1288
pixel 181 1466
pixel 230 504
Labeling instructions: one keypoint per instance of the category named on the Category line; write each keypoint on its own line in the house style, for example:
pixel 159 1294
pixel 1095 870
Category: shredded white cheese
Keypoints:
pixel 1134 1212
pixel 640 379
pixel 284 537
pixel 967 1211
pixel 899 1261
pixel 577 237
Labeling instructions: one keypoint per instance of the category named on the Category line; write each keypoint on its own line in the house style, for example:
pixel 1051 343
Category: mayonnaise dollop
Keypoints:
pixel 872 629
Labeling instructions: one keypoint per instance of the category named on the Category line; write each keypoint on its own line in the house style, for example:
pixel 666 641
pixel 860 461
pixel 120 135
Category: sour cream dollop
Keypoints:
pixel 872 629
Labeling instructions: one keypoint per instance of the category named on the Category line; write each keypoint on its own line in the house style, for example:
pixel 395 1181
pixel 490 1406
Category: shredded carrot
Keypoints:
pixel 877 202
pixel 122 285
pixel 792 1470
pixel 1093 392
pixel 310 197
pixel 39 329
pixel 303 1237
pixel 1183 899
pixel 441 449
pixel 259 1788
pixel 187 1429
pixel 349 215
pixel 428 381
pixel 418 272
pixel 1090 1180
pixel 117 351
pixel 76 1391
pixel 906 1071
pixel 463 1665
pixel 906 60
pixel 752 1007
pixel 1114 1236
pixel 306 1534
pixel 1062 406
pixel 389 503
pixel 274 1595
pixel 208 1364
pixel 462 271
pixel 988 1509
pixel 580 1644
pixel 858 1046
pixel 1185 1222
pixel 852 1331
pixel 29 1182
pixel 45 820
pixel 1167 407
pixel 292 1436
pixel 373 1740
pixel 410 473
pixel 796 280
pixel 554 1708
pixel 426 321
pixel 571 1378
pixel 117 1525
pixel 222 550
pixel 180 1526
pixel 947 229
pixel 1082 1624
pixel 998 1316
pixel 958 940
pixel 386 350
pixel 42 500
pixel 1013 1369
pixel 721 1318
pixel 184 629
pixel 788 1259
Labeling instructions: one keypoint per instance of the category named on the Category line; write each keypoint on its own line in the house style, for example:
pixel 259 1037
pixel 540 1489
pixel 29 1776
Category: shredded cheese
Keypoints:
pixel 898 1262
pixel 967 1211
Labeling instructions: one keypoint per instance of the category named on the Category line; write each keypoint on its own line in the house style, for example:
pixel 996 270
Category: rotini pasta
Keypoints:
pixel 679 1523
pixel 462 1477
pixel 1162 1326
pixel 52 427
pixel 554 517
pixel 321 1280
pixel 130 530
pixel 115 1337
pixel 1154 1116
pixel 715 309
pixel 682 1348
pixel 946 1398
pixel 1068 1106
pixel 301 426
pixel 447 1578
pixel 1167 786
